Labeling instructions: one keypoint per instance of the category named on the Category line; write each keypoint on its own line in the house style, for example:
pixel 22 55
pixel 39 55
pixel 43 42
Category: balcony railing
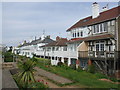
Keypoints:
pixel 96 54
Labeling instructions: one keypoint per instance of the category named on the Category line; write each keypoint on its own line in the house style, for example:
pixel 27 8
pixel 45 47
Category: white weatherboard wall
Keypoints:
pixel 85 31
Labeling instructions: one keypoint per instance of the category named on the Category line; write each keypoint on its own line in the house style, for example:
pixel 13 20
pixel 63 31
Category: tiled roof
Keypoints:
pixel 61 42
pixel 91 38
pixel 104 16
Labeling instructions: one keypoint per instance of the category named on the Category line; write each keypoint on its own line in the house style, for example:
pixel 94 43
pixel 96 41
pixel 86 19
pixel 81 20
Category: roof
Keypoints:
pixel 46 40
pixel 91 38
pixel 25 44
pixel 37 41
pixel 104 16
pixel 61 42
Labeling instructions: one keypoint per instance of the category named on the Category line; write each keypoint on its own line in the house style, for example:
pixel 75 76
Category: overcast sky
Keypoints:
pixel 25 20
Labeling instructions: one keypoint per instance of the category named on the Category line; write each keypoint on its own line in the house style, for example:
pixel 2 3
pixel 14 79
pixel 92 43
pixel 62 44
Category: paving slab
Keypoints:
pixel 52 76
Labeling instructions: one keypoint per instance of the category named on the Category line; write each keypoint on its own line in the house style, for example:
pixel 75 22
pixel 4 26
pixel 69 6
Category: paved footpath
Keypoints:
pixel 7 80
pixel 52 76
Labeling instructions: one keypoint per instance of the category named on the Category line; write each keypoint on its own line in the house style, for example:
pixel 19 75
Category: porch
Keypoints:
pixel 107 62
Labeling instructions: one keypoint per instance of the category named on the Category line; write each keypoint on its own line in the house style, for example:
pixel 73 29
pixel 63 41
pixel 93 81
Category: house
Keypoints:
pixel 55 51
pixel 30 48
pixel 98 39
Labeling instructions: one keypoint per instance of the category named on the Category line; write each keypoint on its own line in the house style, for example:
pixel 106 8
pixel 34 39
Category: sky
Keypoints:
pixel 25 20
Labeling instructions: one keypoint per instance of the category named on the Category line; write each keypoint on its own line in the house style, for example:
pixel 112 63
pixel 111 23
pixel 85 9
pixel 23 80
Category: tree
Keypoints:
pixel 25 76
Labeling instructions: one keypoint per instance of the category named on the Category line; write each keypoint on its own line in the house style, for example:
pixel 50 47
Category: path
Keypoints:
pixel 7 80
pixel 52 76
pixel 51 84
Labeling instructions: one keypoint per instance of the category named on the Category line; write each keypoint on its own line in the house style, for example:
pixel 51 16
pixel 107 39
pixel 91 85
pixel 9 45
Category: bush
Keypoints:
pixel 43 61
pixel 79 69
pixel 34 59
pixel 91 69
pixel 60 63
pixel 73 66
pixel 65 66
pixel 8 57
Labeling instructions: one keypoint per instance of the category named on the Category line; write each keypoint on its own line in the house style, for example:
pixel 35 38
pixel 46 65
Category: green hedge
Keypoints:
pixel 8 57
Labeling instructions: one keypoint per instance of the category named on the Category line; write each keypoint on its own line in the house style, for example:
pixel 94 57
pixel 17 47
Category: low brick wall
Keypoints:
pixel 7 65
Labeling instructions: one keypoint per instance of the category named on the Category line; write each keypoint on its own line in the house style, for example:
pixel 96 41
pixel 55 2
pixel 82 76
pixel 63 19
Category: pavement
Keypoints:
pixel 52 76
pixel 7 79
pixel 0 71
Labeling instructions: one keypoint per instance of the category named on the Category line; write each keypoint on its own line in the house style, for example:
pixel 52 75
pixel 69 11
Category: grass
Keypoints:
pixel 81 78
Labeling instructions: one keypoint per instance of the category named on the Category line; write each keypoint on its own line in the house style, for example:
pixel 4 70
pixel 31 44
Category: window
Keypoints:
pixel 64 48
pixel 94 29
pixel 83 63
pixel 101 27
pixel 105 26
pixel 102 49
pixel 97 28
pixel 75 34
pixel 100 46
pixel 78 34
pixel 57 48
pixel 81 33
pixel 55 58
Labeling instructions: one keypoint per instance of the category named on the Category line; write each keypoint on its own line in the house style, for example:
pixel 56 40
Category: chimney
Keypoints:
pixel 57 38
pixel 95 10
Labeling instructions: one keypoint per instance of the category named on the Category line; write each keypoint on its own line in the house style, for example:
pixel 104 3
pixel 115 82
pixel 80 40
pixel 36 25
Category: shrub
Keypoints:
pixel 34 59
pixel 91 69
pixel 60 63
pixel 73 66
pixel 8 57
pixel 79 69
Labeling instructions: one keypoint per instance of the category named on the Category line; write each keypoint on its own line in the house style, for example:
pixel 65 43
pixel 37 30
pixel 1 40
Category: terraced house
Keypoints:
pixel 30 48
pixel 96 39
pixel 55 51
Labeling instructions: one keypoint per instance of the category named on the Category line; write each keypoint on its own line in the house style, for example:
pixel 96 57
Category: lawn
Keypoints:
pixel 81 78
